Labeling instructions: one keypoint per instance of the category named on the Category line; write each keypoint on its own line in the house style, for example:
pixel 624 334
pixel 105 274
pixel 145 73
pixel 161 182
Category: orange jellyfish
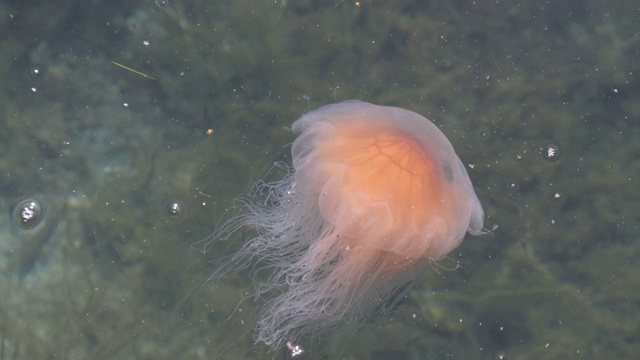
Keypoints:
pixel 375 194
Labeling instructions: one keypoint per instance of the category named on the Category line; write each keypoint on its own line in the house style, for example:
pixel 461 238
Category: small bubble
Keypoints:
pixel 162 3
pixel 173 209
pixel 556 196
pixel 28 214
pixel 513 187
pixel 36 71
pixel 551 152
pixel 297 351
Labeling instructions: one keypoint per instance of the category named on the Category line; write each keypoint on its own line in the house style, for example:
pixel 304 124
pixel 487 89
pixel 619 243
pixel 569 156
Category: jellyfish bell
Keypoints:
pixel 387 176
pixel 375 194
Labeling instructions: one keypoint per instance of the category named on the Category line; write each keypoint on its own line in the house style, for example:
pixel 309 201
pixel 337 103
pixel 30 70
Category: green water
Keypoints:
pixel 108 272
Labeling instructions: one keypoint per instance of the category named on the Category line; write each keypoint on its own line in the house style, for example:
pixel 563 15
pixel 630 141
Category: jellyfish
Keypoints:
pixel 375 194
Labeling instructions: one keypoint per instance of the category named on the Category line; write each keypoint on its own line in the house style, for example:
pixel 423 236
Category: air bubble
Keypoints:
pixel 162 3
pixel 28 213
pixel 513 187
pixel 36 71
pixel 557 196
pixel 297 351
pixel 551 152
pixel 173 209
